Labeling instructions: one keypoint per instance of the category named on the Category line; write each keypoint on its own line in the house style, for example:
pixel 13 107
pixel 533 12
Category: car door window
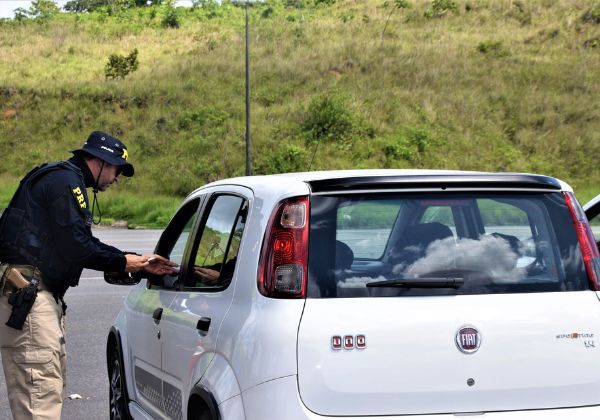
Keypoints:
pixel 215 253
pixel 174 239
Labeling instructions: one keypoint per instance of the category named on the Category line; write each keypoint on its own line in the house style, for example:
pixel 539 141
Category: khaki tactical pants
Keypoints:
pixel 34 359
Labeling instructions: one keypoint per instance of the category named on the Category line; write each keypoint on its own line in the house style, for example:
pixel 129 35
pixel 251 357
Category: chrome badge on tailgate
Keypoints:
pixel 468 339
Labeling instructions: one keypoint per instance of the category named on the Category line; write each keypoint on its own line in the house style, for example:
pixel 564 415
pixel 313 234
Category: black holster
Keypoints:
pixel 22 301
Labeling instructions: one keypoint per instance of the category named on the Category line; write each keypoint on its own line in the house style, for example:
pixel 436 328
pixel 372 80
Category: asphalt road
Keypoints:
pixel 93 306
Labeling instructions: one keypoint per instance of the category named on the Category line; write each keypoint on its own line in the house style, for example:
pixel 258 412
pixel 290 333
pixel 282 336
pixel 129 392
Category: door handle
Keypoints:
pixel 157 314
pixel 203 324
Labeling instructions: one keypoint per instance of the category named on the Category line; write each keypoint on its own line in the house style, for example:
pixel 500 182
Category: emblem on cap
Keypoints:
pixel 468 339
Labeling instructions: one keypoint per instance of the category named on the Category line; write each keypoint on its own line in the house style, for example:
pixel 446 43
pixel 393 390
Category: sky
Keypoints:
pixel 8 6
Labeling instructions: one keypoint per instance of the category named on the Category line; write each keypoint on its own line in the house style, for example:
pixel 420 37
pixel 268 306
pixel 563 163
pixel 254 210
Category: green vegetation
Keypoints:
pixel 119 66
pixel 138 210
pixel 497 85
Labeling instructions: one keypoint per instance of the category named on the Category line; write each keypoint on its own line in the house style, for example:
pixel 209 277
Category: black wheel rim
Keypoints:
pixel 117 403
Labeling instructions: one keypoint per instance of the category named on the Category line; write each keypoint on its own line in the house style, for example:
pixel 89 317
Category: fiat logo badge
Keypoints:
pixel 468 339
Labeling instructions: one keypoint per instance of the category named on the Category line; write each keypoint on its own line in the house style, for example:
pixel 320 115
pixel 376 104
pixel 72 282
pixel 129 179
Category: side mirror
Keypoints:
pixel 121 278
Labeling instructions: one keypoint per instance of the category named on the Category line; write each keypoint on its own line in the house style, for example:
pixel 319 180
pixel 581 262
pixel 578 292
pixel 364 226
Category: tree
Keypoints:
pixel 79 6
pixel 43 9
pixel 398 4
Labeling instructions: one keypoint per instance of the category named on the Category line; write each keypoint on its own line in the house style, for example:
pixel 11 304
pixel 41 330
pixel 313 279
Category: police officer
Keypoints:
pixel 45 233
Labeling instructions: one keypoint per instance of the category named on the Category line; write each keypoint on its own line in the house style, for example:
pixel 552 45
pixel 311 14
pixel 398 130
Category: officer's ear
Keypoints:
pixel 94 164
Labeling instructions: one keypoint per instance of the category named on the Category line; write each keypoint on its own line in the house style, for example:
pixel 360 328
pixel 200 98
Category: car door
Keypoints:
pixel 592 211
pixel 198 309
pixel 146 307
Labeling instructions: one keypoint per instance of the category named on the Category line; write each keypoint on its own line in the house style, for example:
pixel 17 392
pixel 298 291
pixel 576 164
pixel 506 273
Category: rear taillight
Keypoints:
pixel 591 257
pixel 282 270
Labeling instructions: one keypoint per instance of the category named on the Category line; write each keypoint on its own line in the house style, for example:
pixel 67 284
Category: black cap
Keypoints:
pixel 108 148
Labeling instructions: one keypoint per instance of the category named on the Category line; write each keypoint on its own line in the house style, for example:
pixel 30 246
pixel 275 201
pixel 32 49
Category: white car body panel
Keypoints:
pixel 411 364
pixel 221 380
pixel 145 346
pixel 267 358
pixel 261 342
pixel 279 399
pixel 233 408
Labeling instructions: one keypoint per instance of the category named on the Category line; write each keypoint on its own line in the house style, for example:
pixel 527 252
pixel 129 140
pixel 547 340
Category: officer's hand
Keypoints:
pixel 160 266
pixel 154 264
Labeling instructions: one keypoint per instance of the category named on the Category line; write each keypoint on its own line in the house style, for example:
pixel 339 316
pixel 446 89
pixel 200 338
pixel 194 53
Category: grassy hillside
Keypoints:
pixel 499 85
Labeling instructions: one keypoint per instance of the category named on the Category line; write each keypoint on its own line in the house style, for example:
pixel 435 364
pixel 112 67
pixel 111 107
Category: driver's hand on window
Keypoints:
pixel 208 276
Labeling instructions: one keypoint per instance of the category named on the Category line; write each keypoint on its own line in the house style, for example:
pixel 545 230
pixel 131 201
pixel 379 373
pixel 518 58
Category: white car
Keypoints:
pixel 376 294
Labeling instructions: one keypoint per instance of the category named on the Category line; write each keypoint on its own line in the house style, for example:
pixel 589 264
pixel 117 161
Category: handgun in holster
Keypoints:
pixel 22 300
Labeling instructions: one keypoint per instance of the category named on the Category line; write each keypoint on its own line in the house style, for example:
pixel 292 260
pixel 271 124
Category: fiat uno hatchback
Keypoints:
pixel 366 295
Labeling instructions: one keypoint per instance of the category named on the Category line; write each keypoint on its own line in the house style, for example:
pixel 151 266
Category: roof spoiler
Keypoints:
pixel 510 181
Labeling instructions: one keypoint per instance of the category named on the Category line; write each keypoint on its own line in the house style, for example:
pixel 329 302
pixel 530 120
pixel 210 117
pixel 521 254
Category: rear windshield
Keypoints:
pixel 442 244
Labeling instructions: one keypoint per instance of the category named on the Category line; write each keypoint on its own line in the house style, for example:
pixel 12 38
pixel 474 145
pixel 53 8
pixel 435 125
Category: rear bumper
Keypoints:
pixel 279 399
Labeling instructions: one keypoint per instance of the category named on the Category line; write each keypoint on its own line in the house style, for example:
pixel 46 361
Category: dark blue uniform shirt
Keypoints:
pixel 60 210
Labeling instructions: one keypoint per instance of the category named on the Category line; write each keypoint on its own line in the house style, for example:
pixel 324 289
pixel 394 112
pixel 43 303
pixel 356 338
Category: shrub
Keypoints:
pixel 209 116
pixel 328 119
pixel 346 17
pixel 592 42
pixel 171 19
pixel 395 149
pixel 593 14
pixel 267 12
pixel 521 12
pixel 298 32
pixel 401 4
pixel 440 8
pixel 285 158
pixel 492 48
pixel 289 159
pixel 409 145
pixel 119 66
pixel 294 4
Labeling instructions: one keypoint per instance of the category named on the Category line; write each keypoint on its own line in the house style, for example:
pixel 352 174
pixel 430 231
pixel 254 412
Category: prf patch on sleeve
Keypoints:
pixel 79 197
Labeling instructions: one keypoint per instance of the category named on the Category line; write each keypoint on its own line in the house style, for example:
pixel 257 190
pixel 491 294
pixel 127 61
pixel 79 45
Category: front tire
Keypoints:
pixel 117 390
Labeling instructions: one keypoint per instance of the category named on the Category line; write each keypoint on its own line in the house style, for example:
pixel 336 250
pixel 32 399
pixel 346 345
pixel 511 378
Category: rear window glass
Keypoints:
pixel 442 244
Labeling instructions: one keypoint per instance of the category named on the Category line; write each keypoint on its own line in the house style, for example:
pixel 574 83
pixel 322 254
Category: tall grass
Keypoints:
pixel 500 85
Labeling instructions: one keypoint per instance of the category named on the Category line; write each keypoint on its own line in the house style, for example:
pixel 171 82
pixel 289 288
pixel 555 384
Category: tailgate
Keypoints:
pixel 536 350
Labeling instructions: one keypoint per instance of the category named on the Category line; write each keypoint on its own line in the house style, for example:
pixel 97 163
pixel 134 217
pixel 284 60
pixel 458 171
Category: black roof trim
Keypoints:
pixel 435 181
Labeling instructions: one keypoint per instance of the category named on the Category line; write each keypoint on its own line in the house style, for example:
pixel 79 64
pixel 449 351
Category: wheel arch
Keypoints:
pixel 202 405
